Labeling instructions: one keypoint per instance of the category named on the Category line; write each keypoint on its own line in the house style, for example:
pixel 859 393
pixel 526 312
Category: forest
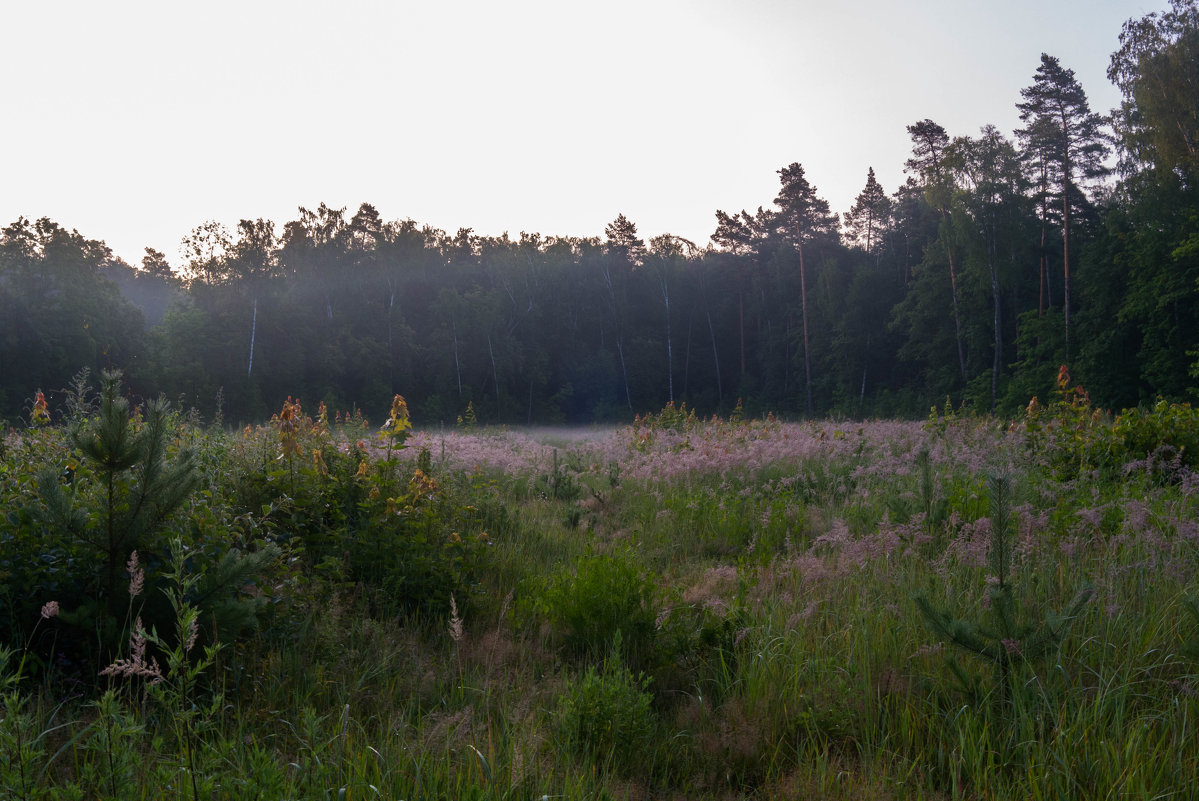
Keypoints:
pixel 999 260
pixel 357 595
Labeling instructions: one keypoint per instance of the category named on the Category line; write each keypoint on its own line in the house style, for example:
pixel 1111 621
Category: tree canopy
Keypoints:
pixel 999 260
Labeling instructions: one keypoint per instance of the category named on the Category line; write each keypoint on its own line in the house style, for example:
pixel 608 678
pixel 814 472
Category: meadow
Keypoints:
pixel 325 608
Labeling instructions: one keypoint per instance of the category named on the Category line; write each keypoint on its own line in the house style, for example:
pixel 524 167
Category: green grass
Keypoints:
pixel 772 648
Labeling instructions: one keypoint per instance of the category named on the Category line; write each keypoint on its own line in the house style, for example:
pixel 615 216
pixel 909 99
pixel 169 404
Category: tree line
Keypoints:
pixel 999 259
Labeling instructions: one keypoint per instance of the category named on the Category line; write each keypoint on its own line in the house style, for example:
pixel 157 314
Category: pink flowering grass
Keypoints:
pixel 878 449
pixel 776 565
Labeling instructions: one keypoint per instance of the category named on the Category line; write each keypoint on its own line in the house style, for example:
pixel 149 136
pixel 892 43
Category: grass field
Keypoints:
pixel 960 608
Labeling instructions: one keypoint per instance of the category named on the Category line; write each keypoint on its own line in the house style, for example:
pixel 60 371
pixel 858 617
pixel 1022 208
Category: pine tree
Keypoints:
pixel 1010 635
pixel 866 222
pixel 1059 122
pixel 803 216
pixel 625 251
pixel 140 488
pixel 929 142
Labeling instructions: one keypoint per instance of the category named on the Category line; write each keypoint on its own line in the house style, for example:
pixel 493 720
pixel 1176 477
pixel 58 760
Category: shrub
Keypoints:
pixel 1072 435
pixel 1168 430
pixel 605 596
pixel 109 492
pixel 606 713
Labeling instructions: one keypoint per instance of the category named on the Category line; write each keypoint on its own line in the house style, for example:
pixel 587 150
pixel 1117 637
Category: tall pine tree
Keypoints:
pixel 803 217
pixel 1059 121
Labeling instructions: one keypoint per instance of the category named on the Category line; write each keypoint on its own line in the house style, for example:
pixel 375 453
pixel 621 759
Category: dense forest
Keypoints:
pixel 1000 259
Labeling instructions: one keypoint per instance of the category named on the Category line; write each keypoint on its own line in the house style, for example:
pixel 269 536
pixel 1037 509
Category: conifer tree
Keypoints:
pixel 1009 634
pixel 625 251
pixel 140 488
pixel 929 142
pixel 803 216
pixel 867 220
pixel 1059 121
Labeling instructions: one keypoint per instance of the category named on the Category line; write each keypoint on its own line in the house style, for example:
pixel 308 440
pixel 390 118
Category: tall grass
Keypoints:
pixel 721 610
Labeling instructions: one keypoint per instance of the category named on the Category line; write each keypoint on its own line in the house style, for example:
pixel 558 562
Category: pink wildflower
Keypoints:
pixel 136 664
pixel 137 576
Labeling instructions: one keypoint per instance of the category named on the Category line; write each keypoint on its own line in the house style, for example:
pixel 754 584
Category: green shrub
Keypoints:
pixel 1169 430
pixel 603 597
pixel 606 714
pixel 105 500
pixel 1072 436
pixel 405 536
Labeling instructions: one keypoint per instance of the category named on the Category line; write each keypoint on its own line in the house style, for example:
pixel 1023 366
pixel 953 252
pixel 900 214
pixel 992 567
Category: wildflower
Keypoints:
pixel 361 470
pixel 193 631
pixel 391 506
pixel 454 537
pixel 398 426
pixel 318 460
pixel 421 484
pixel 455 621
pixel 322 420
pixel 374 493
pixel 1063 378
pixel 137 576
pixel 484 538
pixel 136 664
pixel 49 610
pixel 288 422
pixel 40 415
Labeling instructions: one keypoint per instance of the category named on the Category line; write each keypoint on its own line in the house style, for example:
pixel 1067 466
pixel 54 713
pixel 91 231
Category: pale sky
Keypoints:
pixel 135 122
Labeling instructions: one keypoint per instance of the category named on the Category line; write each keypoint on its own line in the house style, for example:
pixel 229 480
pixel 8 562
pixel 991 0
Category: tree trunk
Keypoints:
pixel 687 354
pixel 391 302
pixel 803 300
pixel 253 328
pixel 715 359
pixel 741 323
pixel 953 287
pixel 625 373
pixel 495 376
pixel 1066 261
pixel 457 365
pixel 998 322
pixel 669 344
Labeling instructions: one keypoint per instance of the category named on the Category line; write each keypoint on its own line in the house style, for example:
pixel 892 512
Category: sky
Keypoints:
pixel 136 122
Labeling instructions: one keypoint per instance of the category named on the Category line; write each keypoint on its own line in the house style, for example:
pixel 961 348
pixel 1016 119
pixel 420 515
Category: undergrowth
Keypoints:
pixel 682 608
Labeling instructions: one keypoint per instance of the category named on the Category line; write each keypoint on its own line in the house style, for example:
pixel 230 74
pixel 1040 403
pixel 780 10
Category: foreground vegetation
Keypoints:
pixel 317 608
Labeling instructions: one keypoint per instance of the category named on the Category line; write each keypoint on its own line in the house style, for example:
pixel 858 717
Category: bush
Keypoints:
pixel 606 599
pixel 394 529
pixel 86 506
pixel 1071 434
pixel 606 713
pixel 1167 431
